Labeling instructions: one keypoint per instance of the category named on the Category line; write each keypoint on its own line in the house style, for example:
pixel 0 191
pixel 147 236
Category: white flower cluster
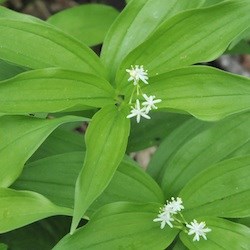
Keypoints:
pixel 168 215
pixel 138 74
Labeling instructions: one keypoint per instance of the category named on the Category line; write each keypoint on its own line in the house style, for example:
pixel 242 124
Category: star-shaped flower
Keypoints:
pixel 150 102
pixel 199 229
pixel 137 73
pixel 175 205
pixel 164 218
pixel 138 112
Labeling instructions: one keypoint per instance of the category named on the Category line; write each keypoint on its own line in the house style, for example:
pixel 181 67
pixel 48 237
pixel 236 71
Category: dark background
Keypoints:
pixel 44 8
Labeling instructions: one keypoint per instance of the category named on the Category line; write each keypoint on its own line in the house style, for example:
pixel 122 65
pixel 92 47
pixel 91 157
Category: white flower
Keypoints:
pixel 164 218
pixel 175 206
pixel 138 112
pixel 137 73
pixel 150 102
pixel 199 229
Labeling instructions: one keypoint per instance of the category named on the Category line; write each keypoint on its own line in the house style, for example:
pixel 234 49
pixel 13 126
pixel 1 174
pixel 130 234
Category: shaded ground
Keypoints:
pixel 44 8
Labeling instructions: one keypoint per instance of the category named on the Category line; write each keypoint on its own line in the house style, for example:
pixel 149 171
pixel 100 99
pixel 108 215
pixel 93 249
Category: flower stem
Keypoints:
pixel 132 95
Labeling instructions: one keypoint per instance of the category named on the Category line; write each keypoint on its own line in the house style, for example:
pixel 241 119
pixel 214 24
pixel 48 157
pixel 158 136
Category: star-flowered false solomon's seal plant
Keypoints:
pixel 195 193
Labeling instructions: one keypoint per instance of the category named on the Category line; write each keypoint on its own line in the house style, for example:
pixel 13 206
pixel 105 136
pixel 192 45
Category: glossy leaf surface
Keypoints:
pixel 88 23
pixel 152 132
pixel 222 190
pixel 17 146
pixel 19 208
pixel 47 46
pixel 201 150
pixel 8 70
pixel 178 137
pixel 206 93
pixel 135 24
pixel 55 177
pixel 110 128
pixel 188 38
pixel 224 235
pixel 121 225
pixel 53 90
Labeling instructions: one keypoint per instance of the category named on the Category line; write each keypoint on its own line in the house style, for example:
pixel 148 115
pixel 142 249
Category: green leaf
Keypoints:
pixel 172 143
pixel 19 208
pixel 121 226
pixel 211 2
pixel 244 221
pixel 206 93
pixel 243 47
pixel 59 141
pixel 88 23
pixel 202 150
pixel 53 90
pixel 224 235
pixel 26 135
pixel 45 234
pixel 47 46
pixel 151 132
pixel 3 246
pixel 135 24
pixel 189 38
pixel 243 36
pixel 53 178
pixel 8 70
pixel 106 146
pixel 179 246
pixel 130 183
pixel 222 190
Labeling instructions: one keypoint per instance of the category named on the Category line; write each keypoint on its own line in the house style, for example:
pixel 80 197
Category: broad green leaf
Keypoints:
pixel 8 70
pixel 244 221
pixel 243 47
pixel 211 2
pixel 189 38
pixel 45 234
pixel 202 150
pixel 135 24
pixel 206 93
pixel 130 183
pixel 47 46
pixel 19 208
pixel 222 190
pixel 88 23
pixel 121 226
pixel 59 141
pixel 3 246
pixel 225 235
pixel 106 142
pixel 243 36
pixel 171 144
pixel 151 132
pixel 53 178
pixel 53 90
pixel 179 246
pixel 243 150
pixel 26 135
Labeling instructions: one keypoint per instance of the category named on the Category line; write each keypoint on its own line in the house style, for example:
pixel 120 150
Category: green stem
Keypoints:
pixel 138 89
pixel 184 220
pixel 132 95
